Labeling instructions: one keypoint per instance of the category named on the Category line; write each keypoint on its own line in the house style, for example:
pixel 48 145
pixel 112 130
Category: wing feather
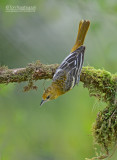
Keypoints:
pixel 71 66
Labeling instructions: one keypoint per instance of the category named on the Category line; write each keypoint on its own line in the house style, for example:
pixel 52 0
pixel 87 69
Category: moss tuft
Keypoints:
pixel 105 127
pixel 100 83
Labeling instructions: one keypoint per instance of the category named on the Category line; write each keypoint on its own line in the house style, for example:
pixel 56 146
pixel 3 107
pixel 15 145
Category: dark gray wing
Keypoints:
pixel 71 66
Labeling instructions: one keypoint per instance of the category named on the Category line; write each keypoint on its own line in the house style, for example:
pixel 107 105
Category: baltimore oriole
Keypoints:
pixel 67 74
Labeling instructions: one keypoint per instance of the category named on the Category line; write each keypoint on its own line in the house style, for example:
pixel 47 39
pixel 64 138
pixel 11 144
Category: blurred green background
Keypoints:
pixel 60 129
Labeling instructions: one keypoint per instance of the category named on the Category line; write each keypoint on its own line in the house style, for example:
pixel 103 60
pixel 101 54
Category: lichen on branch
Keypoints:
pixel 33 71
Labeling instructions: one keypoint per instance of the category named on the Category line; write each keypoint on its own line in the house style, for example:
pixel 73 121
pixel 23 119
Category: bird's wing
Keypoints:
pixel 71 66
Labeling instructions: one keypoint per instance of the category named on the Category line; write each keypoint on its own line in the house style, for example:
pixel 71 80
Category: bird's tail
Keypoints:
pixel 82 31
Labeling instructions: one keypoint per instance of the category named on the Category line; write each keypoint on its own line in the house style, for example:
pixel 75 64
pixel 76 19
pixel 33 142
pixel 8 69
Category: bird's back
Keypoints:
pixel 68 73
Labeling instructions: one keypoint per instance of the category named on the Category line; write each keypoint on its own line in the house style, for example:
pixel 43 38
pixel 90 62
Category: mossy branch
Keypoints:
pixel 100 84
pixel 34 71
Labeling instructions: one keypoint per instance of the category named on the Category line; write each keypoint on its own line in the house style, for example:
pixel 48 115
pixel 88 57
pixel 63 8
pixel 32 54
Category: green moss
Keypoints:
pixel 3 68
pixel 105 129
pixel 100 83
pixel 103 85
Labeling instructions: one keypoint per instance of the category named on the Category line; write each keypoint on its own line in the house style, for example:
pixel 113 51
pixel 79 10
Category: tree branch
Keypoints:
pixel 100 83
pixel 33 71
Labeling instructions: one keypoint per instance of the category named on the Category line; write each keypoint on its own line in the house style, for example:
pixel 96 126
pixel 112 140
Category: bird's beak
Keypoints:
pixel 42 102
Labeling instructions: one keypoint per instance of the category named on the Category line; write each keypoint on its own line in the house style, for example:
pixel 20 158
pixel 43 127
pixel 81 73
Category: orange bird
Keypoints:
pixel 67 74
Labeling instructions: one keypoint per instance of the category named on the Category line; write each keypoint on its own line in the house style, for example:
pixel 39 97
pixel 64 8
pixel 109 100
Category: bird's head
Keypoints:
pixel 49 94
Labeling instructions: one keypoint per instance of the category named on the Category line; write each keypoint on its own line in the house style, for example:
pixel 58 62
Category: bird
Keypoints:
pixel 67 75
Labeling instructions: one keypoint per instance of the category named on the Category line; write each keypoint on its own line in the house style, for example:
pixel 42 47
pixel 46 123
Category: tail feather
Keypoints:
pixel 82 31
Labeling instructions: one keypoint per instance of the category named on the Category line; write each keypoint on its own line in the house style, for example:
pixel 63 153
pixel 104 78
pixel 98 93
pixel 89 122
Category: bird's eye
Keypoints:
pixel 48 97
